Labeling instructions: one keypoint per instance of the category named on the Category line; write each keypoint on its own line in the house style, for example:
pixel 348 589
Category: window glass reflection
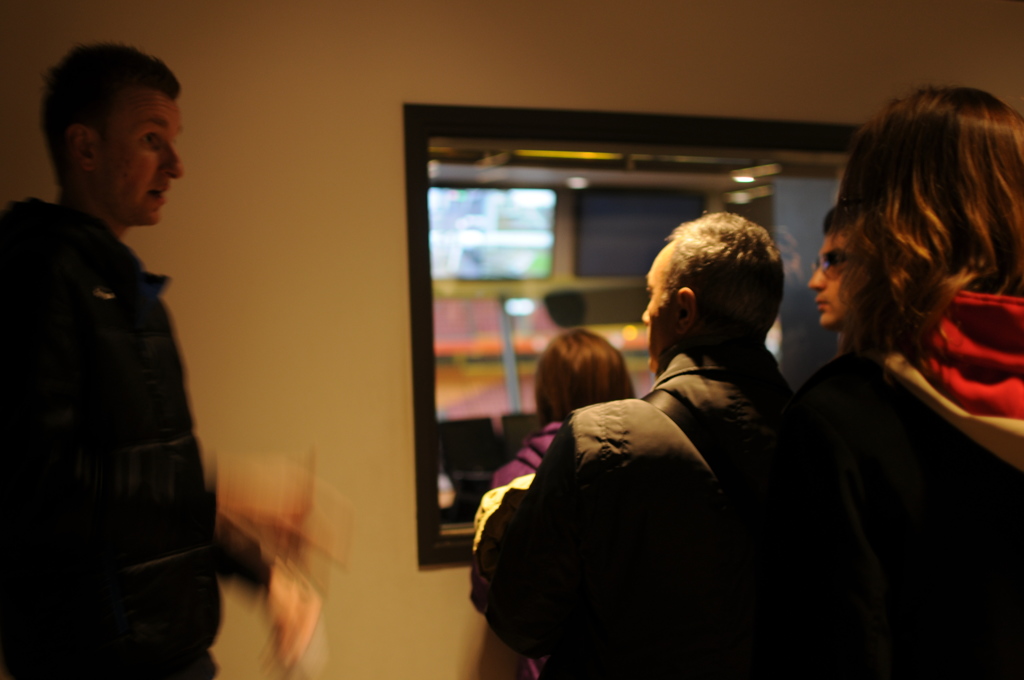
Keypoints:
pixel 485 360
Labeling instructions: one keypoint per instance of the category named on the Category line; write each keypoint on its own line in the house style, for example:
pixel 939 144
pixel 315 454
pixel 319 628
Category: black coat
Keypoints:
pixel 894 544
pixel 105 519
pixel 625 559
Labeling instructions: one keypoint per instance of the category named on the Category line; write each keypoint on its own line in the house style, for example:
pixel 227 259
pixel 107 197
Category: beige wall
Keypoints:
pixel 286 237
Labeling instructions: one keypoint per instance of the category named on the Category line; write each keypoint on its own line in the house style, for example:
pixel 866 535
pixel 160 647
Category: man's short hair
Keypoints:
pixel 734 269
pixel 82 88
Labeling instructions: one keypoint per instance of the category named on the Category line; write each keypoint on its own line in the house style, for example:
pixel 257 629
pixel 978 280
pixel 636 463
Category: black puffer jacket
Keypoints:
pixel 624 559
pixel 105 519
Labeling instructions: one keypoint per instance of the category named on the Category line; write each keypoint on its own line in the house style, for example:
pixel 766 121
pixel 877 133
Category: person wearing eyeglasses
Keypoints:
pixel 827 278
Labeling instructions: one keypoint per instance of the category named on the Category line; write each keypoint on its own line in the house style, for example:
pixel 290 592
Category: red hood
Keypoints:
pixel 980 358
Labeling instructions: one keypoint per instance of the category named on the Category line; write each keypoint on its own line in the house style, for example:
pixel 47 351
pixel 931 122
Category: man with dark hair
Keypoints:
pixel 631 555
pixel 827 278
pixel 83 89
pixel 105 518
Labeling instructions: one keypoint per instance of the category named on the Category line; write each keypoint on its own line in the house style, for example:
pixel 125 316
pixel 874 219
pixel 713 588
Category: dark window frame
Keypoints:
pixel 439 544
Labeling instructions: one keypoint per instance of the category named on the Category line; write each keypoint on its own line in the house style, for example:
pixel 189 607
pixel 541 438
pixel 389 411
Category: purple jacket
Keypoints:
pixel 527 461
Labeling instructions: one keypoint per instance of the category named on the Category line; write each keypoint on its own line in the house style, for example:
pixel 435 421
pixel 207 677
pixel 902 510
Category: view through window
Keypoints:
pixel 525 223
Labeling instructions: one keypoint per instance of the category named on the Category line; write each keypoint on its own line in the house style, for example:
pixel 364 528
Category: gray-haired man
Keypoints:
pixel 632 553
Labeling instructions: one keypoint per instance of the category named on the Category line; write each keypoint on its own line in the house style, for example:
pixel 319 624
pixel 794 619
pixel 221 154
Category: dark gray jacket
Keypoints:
pixel 105 521
pixel 625 558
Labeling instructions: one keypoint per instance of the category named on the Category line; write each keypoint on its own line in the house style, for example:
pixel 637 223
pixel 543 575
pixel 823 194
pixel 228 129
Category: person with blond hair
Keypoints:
pixel 893 544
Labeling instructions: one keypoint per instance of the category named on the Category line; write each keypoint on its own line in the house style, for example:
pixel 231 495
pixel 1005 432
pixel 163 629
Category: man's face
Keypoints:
pixel 662 314
pixel 827 279
pixel 135 159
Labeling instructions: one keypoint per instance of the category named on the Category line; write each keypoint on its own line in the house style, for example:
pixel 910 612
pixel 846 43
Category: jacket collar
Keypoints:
pixel 715 353
pixel 129 283
pixel 1003 436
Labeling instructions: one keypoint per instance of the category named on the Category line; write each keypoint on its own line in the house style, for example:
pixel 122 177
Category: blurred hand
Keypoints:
pixel 294 609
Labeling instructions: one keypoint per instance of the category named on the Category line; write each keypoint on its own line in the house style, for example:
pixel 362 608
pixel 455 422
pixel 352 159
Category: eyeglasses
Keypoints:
pixel 829 262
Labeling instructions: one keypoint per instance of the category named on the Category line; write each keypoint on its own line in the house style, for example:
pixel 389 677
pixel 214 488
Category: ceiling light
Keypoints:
pixel 577 182
pixel 569 155
pixel 752 173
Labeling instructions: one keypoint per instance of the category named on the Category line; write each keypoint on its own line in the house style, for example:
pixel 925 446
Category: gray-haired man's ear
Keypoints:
pixel 688 316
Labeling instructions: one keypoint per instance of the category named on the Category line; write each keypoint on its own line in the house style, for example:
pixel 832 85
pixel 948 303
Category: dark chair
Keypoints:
pixel 514 429
pixel 470 452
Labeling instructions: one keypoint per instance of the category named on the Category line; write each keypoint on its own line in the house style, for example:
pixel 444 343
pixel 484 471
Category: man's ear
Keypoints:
pixel 686 301
pixel 82 144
